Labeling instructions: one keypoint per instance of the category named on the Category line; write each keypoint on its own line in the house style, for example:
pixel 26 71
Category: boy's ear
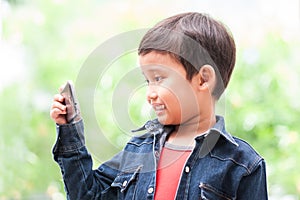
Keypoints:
pixel 207 77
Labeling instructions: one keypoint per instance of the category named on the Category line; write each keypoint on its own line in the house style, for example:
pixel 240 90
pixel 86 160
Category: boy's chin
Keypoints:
pixel 165 121
pixel 162 121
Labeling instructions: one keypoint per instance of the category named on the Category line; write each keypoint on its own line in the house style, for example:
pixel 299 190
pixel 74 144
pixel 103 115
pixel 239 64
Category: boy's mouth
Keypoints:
pixel 158 108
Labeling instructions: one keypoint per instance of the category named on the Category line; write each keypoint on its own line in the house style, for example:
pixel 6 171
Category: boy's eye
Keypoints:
pixel 158 78
pixel 153 80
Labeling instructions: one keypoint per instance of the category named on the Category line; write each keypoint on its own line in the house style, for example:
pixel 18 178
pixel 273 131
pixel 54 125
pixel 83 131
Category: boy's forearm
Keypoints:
pixel 76 163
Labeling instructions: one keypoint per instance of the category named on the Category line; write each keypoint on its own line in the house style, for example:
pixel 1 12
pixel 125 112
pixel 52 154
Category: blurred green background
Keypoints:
pixel 45 43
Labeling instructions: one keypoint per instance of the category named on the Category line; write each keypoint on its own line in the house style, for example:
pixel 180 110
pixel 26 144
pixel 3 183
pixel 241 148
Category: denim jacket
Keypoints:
pixel 219 167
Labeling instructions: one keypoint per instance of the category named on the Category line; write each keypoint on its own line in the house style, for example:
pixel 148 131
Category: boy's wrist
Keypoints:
pixel 70 137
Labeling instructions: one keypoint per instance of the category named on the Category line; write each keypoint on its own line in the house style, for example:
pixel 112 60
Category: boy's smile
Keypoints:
pixel 171 95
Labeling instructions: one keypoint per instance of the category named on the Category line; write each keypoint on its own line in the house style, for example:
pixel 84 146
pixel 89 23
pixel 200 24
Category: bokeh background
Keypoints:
pixel 45 43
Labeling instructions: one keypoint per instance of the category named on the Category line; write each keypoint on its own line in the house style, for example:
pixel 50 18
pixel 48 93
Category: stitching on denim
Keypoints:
pixel 70 148
pixel 77 130
pixel 60 163
pixel 135 169
pixel 249 168
pixel 232 160
pixel 139 144
pixel 255 163
pixel 81 167
pixel 132 171
pixel 214 190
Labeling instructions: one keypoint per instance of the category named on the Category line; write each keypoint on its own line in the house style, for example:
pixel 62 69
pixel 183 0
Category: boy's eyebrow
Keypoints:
pixel 154 68
pixel 152 71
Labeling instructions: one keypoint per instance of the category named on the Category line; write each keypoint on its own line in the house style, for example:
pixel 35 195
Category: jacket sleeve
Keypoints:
pixel 254 185
pixel 80 180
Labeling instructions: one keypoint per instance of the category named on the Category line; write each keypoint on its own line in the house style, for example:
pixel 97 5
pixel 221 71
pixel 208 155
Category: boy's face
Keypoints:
pixel 173 98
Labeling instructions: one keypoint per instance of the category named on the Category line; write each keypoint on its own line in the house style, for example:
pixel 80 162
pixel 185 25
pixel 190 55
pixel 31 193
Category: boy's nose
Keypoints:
pixel 151 94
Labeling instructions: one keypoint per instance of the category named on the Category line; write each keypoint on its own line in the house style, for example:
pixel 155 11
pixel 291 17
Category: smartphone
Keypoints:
pixel 71 102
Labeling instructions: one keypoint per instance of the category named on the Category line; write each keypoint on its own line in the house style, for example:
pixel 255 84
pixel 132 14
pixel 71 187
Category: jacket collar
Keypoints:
pixel 219 127
pixel 150 126
pixel 154 127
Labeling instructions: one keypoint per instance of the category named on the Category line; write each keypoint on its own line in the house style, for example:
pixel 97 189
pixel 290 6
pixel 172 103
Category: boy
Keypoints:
pixel 186 153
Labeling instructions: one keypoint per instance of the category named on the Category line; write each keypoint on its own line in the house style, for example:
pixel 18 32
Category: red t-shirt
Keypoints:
pixel 171 163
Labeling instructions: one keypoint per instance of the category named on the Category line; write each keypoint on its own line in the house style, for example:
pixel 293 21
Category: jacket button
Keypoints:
pixel 124 183
pixel 187 169
pixel 150 190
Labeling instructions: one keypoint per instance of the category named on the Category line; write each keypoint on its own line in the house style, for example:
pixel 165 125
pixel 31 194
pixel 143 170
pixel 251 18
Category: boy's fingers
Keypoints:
pixel 55 113
pixel 59 98
pixel 57 116
pixel 58 105
pixel 58 109
pixel 61 88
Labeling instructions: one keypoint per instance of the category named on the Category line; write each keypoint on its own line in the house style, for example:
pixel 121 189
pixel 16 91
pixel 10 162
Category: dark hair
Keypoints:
pixel 194 39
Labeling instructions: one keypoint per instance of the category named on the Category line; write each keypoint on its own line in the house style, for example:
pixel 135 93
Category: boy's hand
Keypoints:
pixel 58 110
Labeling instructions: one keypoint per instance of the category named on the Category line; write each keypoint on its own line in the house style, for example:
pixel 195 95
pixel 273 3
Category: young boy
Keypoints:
pixel 186 153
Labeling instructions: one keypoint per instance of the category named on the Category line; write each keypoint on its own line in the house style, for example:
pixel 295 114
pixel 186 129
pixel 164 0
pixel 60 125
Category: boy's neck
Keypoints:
pixel 185 134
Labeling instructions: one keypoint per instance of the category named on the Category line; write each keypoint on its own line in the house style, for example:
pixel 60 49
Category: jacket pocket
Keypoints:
pixel 125 182
pixel 207 192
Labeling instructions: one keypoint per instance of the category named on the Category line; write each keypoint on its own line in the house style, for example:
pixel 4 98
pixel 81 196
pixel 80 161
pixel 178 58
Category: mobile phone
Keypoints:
pixel 73 111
